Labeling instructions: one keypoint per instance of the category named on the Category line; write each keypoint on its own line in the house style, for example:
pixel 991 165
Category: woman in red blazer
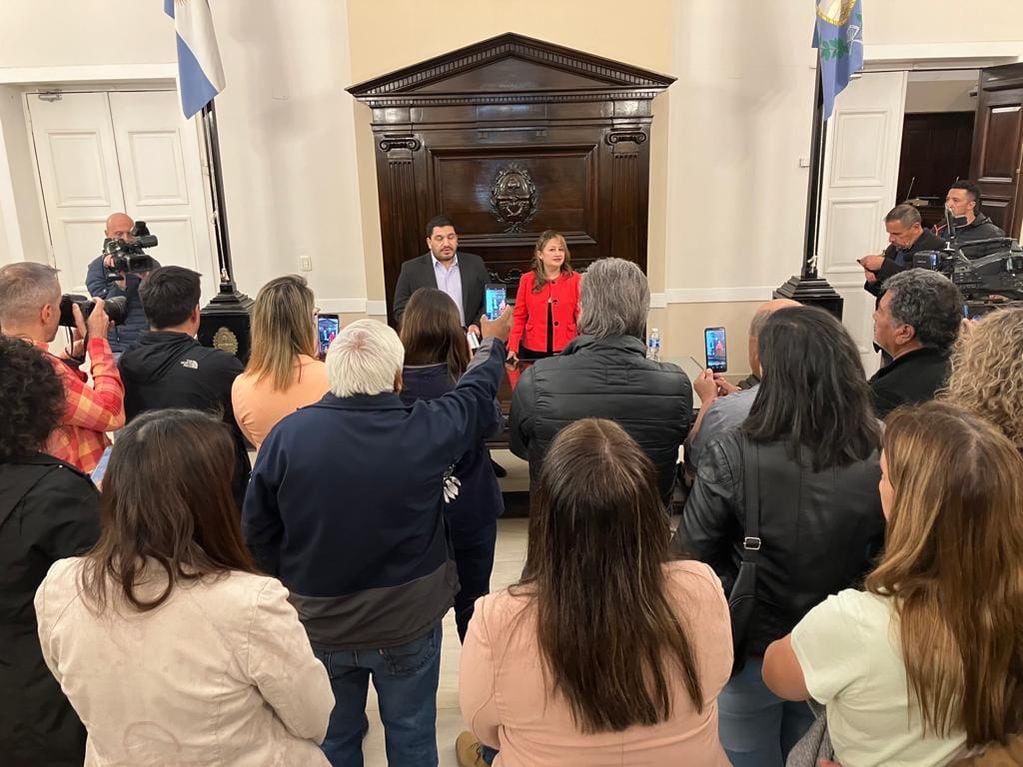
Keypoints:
pixel 547 304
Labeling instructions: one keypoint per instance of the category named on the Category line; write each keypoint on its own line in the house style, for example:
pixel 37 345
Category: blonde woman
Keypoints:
pixel 928 661
pixel 283 373
pixel 547 303
pixel 987 372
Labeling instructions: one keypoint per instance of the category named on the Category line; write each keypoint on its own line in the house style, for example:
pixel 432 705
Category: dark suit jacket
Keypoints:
pixel 418 273
pixel 926 241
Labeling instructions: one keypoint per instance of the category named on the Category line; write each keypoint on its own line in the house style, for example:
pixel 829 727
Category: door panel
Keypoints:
pixel 998 145
pixel 861 168
pixel 79 176
pixel 158 151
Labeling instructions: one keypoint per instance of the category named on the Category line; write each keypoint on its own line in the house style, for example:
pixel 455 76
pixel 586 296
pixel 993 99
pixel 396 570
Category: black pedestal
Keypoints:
pixel 225 322
pixel 812 291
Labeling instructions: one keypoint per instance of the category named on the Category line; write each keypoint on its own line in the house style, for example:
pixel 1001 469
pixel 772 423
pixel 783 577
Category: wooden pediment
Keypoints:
pixel 506 68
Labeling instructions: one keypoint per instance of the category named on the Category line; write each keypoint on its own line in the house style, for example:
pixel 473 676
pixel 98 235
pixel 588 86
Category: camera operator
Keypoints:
pixel 30 299
pixel 119 227
pixel 963 199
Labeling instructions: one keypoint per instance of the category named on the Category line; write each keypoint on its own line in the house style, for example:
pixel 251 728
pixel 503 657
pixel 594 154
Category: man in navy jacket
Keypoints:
pixel 345 507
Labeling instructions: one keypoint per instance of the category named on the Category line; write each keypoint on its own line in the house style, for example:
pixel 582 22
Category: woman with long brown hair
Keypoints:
pixel 436 355
pixel 607 651
pixel 169 645
pixel 283 373
pixel 929 658
pixel 547 302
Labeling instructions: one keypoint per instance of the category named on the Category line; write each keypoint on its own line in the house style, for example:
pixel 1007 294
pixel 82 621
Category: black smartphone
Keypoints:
pixel 327 328
pixel 495 299
pixel 717 349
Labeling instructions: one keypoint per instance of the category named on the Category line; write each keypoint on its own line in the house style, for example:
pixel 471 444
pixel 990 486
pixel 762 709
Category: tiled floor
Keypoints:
pixel 508 560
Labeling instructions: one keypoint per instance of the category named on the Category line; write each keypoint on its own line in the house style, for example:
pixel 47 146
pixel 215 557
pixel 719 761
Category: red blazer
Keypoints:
pixel 529 323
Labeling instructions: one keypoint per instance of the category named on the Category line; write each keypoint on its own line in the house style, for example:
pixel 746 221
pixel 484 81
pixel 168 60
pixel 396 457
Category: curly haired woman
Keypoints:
pixel 987 372
pixel 48 510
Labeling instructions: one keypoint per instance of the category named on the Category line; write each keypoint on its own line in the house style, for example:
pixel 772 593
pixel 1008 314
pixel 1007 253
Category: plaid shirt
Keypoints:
pixel 91 410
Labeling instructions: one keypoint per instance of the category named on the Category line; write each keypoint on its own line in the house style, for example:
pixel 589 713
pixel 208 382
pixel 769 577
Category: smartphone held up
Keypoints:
pixel 716 346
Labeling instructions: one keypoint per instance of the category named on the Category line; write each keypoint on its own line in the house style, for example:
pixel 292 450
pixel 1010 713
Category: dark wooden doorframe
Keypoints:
pixel 509 137
pixel 997 155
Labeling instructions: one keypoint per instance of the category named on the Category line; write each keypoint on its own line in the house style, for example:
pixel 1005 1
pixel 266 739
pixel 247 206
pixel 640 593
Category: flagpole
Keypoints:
pixel 816 183
pixel 225 322
pixel 211 138
pixel 809 288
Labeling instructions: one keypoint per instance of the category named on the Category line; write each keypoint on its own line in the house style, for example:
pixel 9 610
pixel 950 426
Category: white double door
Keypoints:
pixel 861 171
pixel 132 151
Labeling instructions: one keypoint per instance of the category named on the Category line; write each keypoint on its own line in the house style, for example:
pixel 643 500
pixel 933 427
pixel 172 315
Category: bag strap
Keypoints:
pixel 751 543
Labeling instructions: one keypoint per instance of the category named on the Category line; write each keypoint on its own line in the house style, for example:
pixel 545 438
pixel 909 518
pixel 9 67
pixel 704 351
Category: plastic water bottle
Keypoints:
pixel 653 345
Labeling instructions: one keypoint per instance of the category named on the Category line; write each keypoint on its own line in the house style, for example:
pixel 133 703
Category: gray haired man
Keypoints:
pixel 916 322
pixel 604 373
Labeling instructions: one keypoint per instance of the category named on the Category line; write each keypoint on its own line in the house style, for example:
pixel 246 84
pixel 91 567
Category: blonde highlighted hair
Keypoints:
pixel 953 563
pixel 987 372
pixel 283 327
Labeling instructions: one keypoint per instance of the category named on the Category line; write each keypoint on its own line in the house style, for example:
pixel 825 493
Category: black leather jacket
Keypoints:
pixel 820 532
pixel 604 378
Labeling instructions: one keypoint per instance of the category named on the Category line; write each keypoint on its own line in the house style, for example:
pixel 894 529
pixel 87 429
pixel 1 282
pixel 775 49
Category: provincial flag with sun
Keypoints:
pixel 838 38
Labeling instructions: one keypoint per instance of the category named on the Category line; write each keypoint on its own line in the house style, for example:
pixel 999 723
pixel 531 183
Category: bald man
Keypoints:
pixel 118 227
pixel 722 405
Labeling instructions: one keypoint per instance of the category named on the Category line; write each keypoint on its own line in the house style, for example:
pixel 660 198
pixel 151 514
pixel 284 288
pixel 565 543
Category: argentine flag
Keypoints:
pixel 200 74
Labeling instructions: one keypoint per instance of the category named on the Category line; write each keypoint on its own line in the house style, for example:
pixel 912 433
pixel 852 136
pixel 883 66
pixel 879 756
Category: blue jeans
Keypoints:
pixel 405 678
pixel 475 563
pixel 757 728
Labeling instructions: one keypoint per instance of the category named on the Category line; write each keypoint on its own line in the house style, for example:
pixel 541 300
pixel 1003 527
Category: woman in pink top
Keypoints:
pixel 607 652
pixel 283 373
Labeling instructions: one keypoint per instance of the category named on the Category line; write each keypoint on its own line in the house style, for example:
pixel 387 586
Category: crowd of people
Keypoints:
pixel 849 541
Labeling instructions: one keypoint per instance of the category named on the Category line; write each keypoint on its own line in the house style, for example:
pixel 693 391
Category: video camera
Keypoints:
pixel 128 257
pixel 116 308
pixel 988 272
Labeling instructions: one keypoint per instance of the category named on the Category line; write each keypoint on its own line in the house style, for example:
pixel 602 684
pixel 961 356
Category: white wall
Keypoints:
pixel 25 233
pixel 740 121
pixel 941 91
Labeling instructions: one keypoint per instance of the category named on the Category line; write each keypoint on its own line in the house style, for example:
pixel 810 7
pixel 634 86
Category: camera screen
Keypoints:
pixel 717 349
pixel 496 296
pixel 328 326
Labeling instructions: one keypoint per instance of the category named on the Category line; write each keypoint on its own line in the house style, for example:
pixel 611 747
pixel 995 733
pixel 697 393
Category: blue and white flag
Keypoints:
pixel 200 74
pixel 838 38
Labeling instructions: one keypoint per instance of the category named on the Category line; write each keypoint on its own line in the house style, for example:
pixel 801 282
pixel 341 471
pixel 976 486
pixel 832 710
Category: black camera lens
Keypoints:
pixel 116 308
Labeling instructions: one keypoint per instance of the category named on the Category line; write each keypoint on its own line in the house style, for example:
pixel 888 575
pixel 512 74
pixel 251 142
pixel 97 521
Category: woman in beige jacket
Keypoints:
pixel 169 645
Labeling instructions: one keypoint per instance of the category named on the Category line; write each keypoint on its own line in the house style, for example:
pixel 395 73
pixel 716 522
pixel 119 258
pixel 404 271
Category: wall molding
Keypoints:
pixel 912 56
pixel 718 295
pixel 88 73
pixel 376 308
pixel 343 305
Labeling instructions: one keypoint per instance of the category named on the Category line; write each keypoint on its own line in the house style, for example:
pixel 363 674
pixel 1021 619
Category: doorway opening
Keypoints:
pixel 937 138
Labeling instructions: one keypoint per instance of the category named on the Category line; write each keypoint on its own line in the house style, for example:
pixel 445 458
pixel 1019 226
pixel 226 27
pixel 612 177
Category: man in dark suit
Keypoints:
pixel 906 236
pixel 461 275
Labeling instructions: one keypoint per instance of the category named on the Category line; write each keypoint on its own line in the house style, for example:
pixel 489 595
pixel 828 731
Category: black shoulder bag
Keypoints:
pixel 742 601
